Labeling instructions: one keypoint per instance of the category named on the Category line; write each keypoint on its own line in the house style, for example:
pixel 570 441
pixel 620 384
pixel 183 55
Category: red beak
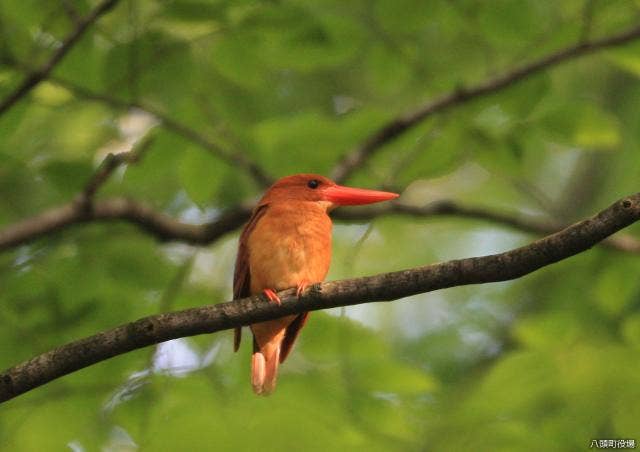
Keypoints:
pixel 347 196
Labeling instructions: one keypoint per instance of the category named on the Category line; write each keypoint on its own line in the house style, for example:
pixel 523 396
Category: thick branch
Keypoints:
pixel 383 287
pixel 32 80
pixel 393 129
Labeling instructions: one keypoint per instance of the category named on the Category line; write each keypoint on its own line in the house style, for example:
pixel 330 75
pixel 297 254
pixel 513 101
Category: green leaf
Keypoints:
pixel 239 58
pixel 156 66
pixel 200 175
pixel 435 151
pixel 316 39
pixel 387 71
pixel 195 10
pixel 614 291
pixel 587 126
pixel 406 16
pixel 512 23
pixel 155 177
pixel 627 58
pixel 631 330
pixel 68 176
pixel 306 142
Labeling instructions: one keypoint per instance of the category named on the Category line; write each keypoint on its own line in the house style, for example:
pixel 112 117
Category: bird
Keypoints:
pixel 285 244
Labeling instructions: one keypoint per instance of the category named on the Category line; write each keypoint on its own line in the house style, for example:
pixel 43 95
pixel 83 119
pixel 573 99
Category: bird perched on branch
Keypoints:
pixel 285 244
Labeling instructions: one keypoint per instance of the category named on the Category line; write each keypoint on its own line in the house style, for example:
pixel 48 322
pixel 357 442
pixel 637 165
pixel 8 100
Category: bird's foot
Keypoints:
pixel 301 288
pixel 272 296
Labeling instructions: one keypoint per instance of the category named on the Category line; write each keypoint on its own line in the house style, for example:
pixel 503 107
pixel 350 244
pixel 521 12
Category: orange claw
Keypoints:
pixel 272 296
pixel 301 288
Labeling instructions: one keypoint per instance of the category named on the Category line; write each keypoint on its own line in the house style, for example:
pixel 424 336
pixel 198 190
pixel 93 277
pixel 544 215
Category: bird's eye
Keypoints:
pixel 313 183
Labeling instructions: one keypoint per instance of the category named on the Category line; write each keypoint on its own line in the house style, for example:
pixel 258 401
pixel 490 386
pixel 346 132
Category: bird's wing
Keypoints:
pixel 241 274
pixel 291 334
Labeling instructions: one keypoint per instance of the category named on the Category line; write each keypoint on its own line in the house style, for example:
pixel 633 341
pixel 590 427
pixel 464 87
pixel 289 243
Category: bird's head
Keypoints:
pixel 315 188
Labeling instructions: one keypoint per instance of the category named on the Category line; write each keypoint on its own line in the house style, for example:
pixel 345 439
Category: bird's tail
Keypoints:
pixel 264 368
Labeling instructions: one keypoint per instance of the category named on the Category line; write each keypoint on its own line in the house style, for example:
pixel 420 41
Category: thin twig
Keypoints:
pixel 113 162
pixel 399 125
pixel 32 80
pixel 383 287
pixel 234 158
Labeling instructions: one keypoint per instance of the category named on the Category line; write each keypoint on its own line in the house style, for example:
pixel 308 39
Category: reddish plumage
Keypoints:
pixel 287 243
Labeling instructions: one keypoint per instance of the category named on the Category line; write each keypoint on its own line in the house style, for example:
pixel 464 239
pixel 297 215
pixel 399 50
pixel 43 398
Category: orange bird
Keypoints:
pixel 287 243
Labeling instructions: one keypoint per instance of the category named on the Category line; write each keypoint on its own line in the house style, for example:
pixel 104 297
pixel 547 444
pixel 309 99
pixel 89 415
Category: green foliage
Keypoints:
pixel 547 362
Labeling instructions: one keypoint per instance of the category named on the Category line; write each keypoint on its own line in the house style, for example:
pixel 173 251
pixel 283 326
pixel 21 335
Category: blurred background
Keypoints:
pixel 546 362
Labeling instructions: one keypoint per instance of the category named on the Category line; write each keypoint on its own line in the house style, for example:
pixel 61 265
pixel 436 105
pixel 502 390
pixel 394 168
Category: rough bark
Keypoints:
pixel 383 287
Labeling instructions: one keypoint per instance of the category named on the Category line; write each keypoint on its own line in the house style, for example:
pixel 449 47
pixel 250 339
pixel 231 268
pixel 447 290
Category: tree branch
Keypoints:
pixel 111 163
pixel 32 80
pixel 166 228
pixel 232 157
pixel 158 224
pixel 445 207
pixel 397 126
pixel 383 287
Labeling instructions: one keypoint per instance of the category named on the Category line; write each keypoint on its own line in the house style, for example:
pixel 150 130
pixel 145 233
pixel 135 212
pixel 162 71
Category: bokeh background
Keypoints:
pixel 547 362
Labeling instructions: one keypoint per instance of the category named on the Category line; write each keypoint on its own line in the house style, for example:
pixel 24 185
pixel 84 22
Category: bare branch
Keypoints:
pixel 445 207
pixel 32 80
pixel 166 228
pixel 160 225
pixel 383 287
pixel 83 208
pixel 397 126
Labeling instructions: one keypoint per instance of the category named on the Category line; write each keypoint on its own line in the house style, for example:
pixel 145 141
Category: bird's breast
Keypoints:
pixel 288 247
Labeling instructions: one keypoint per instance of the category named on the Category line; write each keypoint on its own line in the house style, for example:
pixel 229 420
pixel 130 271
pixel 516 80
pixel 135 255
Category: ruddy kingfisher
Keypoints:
pixel 285 244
